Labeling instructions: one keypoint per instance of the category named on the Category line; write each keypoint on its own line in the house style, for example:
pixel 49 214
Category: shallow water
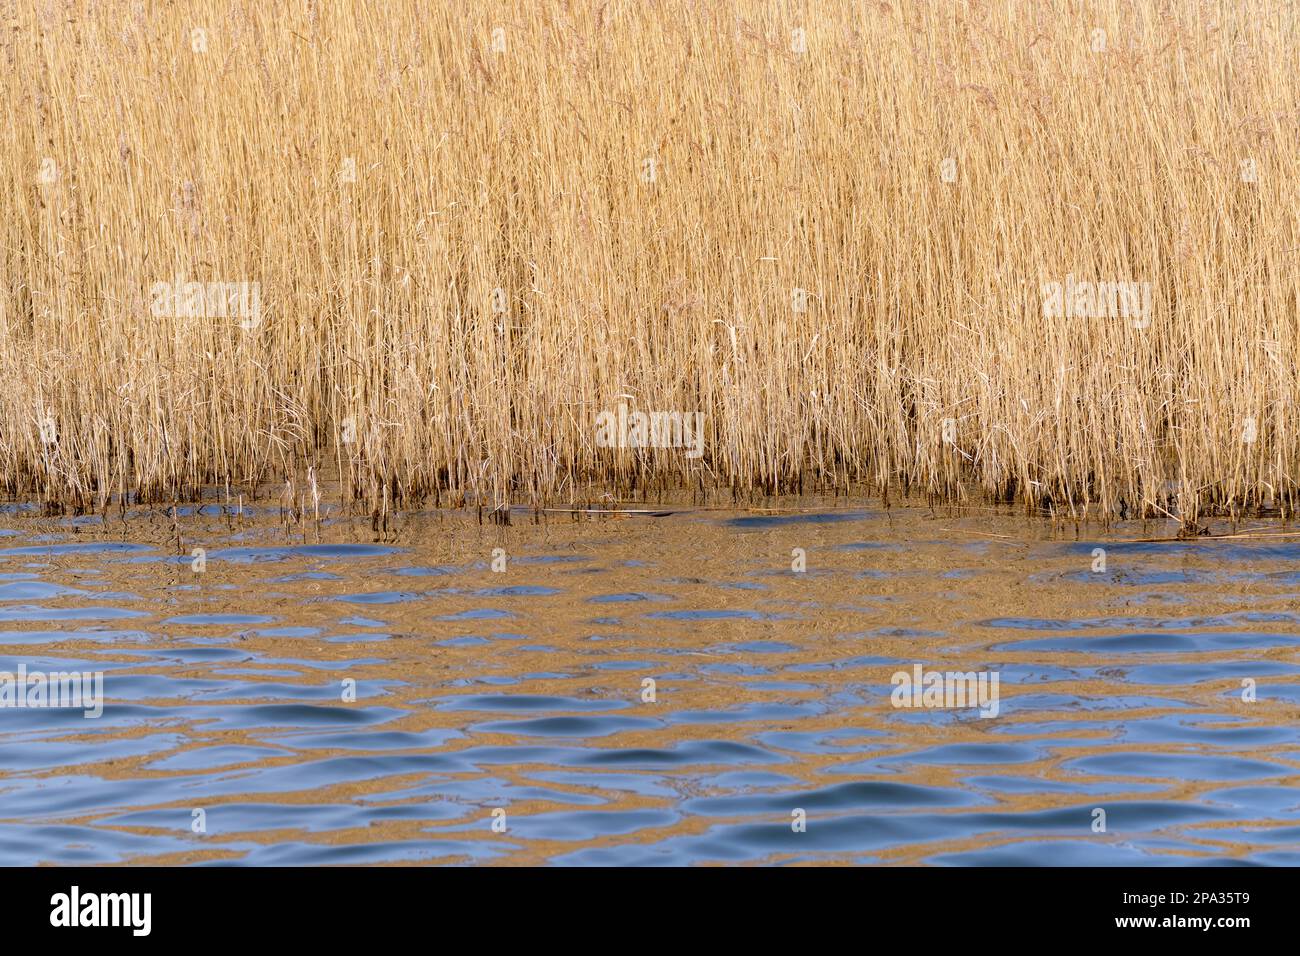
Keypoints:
pixel 522 691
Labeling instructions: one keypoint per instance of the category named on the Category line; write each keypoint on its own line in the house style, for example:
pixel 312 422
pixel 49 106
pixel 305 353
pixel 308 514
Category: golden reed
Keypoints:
pixel 1040 249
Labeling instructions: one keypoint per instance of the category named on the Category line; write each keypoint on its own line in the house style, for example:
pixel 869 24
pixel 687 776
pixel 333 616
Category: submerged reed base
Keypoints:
pixel 1043 249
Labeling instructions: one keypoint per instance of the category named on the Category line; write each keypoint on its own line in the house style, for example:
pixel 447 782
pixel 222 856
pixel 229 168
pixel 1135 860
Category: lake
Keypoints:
pixel 704 686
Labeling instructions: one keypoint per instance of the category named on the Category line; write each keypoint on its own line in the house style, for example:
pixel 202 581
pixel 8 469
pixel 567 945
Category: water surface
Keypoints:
pixel 332 696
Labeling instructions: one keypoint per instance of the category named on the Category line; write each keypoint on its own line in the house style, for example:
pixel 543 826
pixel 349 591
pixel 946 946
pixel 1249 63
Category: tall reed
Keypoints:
pixel 830 227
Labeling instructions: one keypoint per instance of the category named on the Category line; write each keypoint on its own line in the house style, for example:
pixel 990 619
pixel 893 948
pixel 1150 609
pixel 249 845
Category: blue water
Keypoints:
pixel 347 700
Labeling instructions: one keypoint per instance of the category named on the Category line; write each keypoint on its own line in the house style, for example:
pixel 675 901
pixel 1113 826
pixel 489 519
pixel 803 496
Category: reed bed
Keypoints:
pixel 830 228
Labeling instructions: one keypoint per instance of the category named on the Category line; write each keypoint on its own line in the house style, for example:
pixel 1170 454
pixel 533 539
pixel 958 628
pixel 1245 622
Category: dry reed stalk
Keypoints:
pixel 828 227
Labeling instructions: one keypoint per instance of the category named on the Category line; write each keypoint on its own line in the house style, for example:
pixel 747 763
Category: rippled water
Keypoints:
pixel 522 691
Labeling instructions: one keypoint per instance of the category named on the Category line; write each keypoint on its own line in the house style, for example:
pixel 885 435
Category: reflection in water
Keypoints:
pixel 353 701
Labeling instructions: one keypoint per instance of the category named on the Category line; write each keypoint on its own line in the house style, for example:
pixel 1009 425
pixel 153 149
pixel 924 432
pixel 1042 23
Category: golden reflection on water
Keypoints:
pixel 522 690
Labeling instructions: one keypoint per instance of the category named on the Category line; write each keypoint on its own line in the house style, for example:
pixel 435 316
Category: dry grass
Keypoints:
pixel 379 356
